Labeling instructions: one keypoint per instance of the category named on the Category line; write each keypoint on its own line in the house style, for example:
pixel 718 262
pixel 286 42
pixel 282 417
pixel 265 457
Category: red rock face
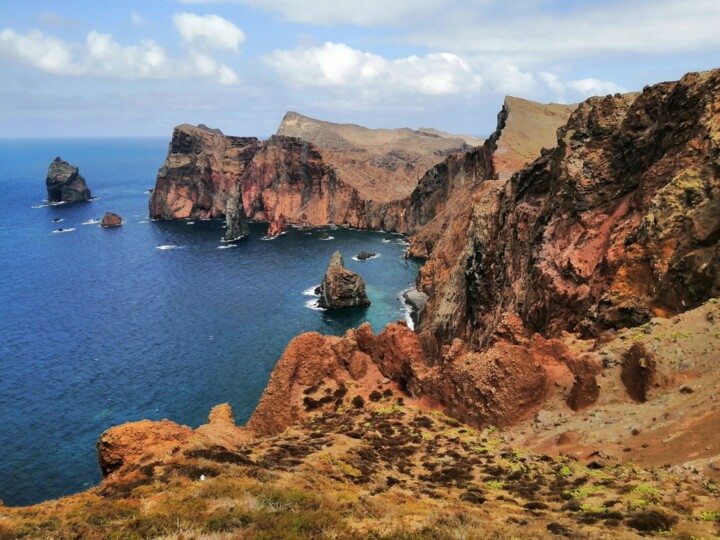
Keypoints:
pixel 617 224
pixel 277 227
pixel 200 173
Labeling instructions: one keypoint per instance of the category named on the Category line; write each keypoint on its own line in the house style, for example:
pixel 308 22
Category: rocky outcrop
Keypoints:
pixel 341 288
pixel 111 220
pixel 65 183
pixel 236 221
pixel 617 224
pixel 277 227
pixel 201 172
pixel 128 444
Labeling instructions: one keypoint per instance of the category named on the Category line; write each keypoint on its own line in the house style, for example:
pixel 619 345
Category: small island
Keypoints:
pixel 65 183
pixel 342 288
pixel 111 219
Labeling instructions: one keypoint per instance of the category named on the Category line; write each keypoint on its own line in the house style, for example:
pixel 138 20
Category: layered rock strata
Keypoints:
pixel 341 288
pixel 65 183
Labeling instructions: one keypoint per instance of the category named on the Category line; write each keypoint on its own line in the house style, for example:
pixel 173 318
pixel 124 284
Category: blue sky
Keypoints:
pixel 88 68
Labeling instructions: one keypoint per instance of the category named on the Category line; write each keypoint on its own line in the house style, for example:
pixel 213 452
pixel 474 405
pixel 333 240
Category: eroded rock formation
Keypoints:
pixel 111 219
pixel 65 183
pixel 617 224
pixel 201 172
pixel 341 288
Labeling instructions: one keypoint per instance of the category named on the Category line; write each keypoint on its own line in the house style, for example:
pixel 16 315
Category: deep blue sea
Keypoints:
pixel 100 327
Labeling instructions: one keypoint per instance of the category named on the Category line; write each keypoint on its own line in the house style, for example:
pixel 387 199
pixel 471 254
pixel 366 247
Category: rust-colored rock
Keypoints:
pixel 341 288
pixel 200 173
pixel 277 227
pixel 111 220
pixel 616 225
pixel 127 444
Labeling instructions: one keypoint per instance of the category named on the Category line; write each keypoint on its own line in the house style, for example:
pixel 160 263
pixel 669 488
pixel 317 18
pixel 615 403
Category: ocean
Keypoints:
pixel 150 320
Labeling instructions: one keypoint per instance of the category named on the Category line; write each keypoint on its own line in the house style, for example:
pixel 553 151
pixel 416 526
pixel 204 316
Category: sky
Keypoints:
pixel 85 68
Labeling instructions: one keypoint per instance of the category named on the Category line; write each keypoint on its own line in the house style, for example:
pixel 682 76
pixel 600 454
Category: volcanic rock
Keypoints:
pixel 201 173
pixel 342 288
pixel 236 222
pixel 111 220
pixel 65 184
pixel 617 224
pixel 364 255
pixel 416 300
pixel 128 443
pixel 277 227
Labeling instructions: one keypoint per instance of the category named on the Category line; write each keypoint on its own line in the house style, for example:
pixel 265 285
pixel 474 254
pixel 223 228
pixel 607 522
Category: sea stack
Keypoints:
pixel 341 288
pixel 277 227
pixel 65 184
pixel 111 220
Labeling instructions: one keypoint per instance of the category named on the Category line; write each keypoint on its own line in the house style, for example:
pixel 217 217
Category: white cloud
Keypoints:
pixel 533 32
pixel 208 31
pixel 102 56
pixel 44 52
pixel 595 87
pixel 340 66
pixel 324 12
pixel 581 88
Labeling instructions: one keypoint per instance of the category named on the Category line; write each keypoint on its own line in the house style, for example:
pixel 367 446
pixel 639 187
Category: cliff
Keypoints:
pixel 381 164
pixel 616 225
pixel 200 173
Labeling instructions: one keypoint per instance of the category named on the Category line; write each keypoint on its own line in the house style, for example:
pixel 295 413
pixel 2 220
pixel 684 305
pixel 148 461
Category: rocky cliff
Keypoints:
pixel 64 183
pixel 201 172
pixel 618 224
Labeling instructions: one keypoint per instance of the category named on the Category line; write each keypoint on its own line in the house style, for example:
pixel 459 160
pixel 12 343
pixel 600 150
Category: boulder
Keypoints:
pixel 365 255
pixel 111 220
pixel 342 288
pixel 65 184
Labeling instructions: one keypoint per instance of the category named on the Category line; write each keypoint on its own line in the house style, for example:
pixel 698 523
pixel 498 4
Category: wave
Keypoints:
pixel 58 220
pixel 355 258
pixel 58 203
pixel 190 223
pixel 313 304
pixel 92 221
pixel 167 246
pixel 39 206
pixel 407 309
pixel 64 230
pixel 144 221
pixel 311 291
pixel 227 246
pixel 328 238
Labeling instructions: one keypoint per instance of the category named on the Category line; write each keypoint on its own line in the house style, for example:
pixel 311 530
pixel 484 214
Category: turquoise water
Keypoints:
pixel 100 327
